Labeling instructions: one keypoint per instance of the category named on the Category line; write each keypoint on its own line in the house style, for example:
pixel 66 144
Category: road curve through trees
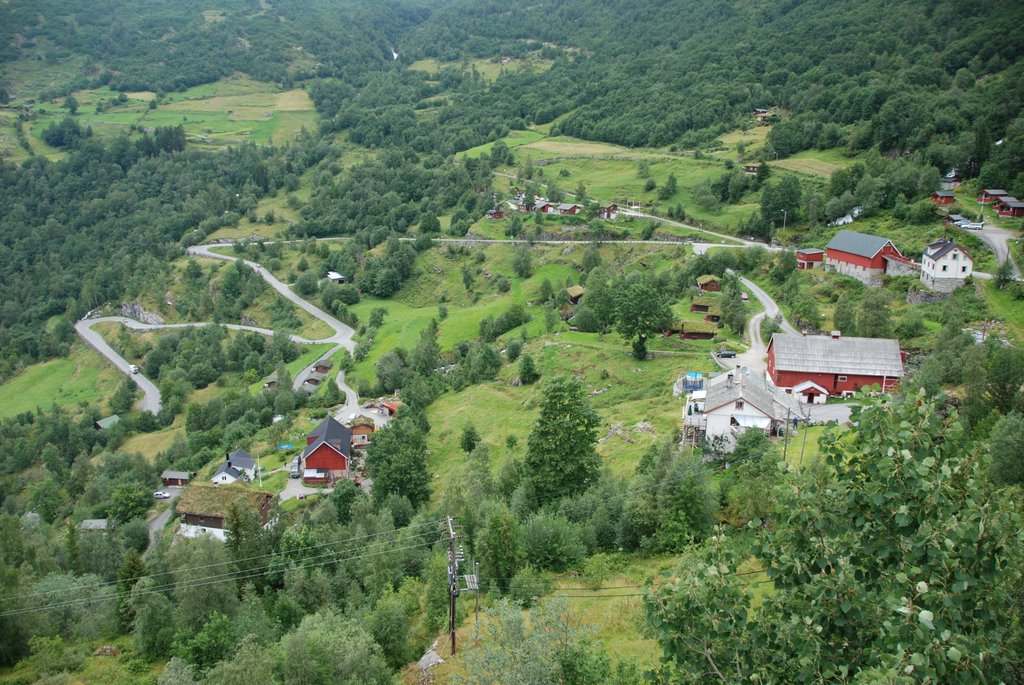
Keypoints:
pixel 151 401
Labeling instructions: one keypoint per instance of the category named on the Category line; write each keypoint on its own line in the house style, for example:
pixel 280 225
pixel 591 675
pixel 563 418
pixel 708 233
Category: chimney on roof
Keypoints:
pixel 728 379
pixel 835 335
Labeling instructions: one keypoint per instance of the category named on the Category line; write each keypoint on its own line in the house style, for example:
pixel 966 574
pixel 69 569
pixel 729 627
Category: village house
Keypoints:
pixel 335 277
pixel 703 304
pixel 866 257
pixel 750 169
pixel 951 181
pixel 236 465
pixel 270 382
pixel 987 195
pixel 708 284
pixel 734 402
pixel 945 266
pixel 697 330
pixel 313 381
pixel 495 213
pixel 943 197
pixel 575 293
pixel 323 366
pixel 389 408
pixel 328 450
pixel 815 367
pixel 204 509
pixel 543 206
pixel 175 477
pixel 611 212
pixel 809 258
pixel 567 209
pixel 1008 206
pixel 362 428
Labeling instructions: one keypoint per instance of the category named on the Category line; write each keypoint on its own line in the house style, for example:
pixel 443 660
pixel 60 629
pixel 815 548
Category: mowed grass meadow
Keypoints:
pixel 228 112
pixel 81 378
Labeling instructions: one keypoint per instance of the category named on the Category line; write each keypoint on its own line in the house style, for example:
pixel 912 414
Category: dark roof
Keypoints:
pixel 940 248
pixel 326 363
pixel 241 459
pixel 944 193
pixel 858 243
pixel 824 354
pixel 332 433
pixel 230 470
pixel 810 250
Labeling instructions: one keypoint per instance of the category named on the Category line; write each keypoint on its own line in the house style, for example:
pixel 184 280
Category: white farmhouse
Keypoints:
pixel 735 402
pixel 945 265
pixel 239 465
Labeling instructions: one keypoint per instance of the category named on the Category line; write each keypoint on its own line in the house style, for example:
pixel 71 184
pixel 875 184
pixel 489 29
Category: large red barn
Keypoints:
pixel 329 448
pixel 834 364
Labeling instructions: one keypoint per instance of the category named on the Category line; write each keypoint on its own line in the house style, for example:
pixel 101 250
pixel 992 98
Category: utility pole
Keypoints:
pixel 455 555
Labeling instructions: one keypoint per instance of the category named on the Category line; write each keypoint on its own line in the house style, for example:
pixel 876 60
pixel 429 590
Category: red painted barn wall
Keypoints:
pixel 323 457
pixel 877 263
pixel 829 381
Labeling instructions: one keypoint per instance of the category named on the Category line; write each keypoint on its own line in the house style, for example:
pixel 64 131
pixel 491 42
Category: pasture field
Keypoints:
pixel 230 111
pixel 489 69
pixel 80 378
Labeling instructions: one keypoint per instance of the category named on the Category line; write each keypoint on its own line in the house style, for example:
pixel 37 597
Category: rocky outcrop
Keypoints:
pixel 134 310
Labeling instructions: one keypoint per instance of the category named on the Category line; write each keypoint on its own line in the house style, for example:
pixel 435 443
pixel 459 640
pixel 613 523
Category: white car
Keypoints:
pixel 133 368
pixel 161 494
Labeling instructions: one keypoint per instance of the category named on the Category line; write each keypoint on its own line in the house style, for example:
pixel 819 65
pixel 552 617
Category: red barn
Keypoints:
pixel 943 197
pixel 328 448
pixel 834 364
pixel 865 257
pixel 987 195
pixel 809 258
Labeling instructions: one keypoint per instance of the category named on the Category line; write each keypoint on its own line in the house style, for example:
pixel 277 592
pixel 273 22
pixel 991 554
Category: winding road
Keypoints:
pixel 151 402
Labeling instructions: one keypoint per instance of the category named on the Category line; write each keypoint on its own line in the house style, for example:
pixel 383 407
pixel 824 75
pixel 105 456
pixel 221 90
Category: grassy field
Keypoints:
pixel 151 444
pixel 490 69
pixel 1005 307
pixel 81 378
pixel 815 162
pixel 230 111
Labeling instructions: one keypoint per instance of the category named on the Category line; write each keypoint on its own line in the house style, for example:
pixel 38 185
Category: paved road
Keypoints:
pixel 998 239
pixel 158 522
pixel 342 337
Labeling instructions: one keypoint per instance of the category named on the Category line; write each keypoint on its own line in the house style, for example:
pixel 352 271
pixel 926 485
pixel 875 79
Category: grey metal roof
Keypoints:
pixel 994 191
pixel 847 356
pixel 858 243
pixel 175 475
pixel 109 421
pixel 225 468
pixel 944 193
pixel 241 459
pixel 94 524
pixel 810 250
pixel 749 387
pixel 941 247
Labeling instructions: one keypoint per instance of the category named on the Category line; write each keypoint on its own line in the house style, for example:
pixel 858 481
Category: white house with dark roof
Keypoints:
pixel 945 266
pixel 238 465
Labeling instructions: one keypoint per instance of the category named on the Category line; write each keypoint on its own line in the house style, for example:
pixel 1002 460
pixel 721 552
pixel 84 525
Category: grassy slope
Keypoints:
pixel 82 377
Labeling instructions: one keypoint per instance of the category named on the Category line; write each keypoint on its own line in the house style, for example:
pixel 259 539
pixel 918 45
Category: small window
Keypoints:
pixel 956 255
pixel 842 378
pixel 739 404
pixel 963 269
pixel 945 267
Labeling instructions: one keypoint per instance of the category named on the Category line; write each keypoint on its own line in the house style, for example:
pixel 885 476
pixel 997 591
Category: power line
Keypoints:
pixel 239 561
pixel 240 574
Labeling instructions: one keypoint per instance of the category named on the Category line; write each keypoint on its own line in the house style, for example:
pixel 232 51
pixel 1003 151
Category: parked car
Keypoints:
pixel 133 368
pixel 161 494
pixel 726 354
pixel 972 226
pixel 293 470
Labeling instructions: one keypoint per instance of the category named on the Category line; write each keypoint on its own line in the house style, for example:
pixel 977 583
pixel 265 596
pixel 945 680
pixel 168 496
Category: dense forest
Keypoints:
pixel 893 556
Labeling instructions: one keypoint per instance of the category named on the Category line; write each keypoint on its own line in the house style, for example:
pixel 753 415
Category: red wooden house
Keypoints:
pixel 611 212
pixel 809 258
pixel 834 364
pixel 987 195
pixel 1008 206
pixel 708 283
pixel 329 448
pixel 943 197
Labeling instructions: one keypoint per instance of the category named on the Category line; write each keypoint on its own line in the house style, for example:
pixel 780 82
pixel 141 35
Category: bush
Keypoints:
pixel 553 543
pixel 528 586
pixel 513 349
